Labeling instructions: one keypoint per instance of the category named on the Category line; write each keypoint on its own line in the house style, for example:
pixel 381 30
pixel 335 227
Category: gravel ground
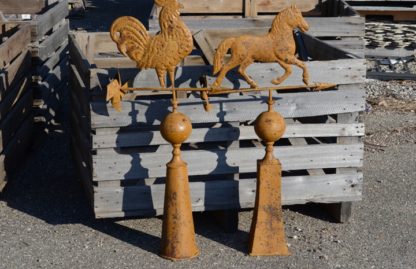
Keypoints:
pixel 45 221
pixel 403 90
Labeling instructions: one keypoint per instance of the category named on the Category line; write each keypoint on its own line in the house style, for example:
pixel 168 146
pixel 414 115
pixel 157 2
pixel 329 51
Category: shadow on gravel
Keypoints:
pixel 315 211
pixel 47 189
pixel 208 228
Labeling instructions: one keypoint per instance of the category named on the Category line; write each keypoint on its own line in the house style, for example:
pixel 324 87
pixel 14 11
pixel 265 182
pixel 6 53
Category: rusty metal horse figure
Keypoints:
pixel 278 45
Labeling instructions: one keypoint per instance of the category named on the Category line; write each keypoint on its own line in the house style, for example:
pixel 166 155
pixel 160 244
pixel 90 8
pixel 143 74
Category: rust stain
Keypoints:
pixel 276 46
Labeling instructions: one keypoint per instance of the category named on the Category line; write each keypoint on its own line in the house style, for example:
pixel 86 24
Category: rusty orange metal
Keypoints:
pixel 277 46
pixel 267 235
pixel 178 233
pixel 164 51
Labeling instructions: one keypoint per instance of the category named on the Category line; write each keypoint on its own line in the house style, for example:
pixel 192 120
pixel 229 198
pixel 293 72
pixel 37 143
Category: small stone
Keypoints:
pixel 323 257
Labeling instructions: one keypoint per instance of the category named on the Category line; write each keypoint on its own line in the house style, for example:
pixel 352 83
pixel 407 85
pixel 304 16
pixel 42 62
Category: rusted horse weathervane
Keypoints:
pixel 163 52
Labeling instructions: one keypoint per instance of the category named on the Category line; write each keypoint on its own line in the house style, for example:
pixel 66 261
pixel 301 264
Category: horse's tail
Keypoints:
pixel 220 53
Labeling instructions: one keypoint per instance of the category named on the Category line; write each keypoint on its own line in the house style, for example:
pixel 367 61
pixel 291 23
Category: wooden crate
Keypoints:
pixel 396 10
pixel 120 156
pixel 21 6
pixel 49 49
pixel 333 21
pixel 16 118
pixel 252 8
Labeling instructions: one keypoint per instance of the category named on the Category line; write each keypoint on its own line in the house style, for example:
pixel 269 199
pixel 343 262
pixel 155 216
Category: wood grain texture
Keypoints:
pixel 14 45
pixel 225 194
pixel 110 165
pixel 233 108
pixel 114 137
pixel 48 47
pixel 319 27
pixel 21 6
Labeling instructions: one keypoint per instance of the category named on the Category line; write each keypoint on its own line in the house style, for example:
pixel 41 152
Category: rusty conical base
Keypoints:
pixel 267 234
pixel 178 233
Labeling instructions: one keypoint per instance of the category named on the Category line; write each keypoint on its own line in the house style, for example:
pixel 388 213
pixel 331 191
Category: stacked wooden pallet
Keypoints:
pixel 49 40
pixel 398 10
pixel 16 118
pixel 251 8
pixel 333 20
pixel 121 156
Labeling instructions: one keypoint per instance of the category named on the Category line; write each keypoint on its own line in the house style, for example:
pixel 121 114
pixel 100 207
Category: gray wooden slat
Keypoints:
pixel 110 165
pixel 14 45
pixel 43 70
pixel 49 46
pixel 227 194
pixel 13 119
pixel 21 6
pixel 343 71
pixel 319 26
pixel 46 21
pixel 14 153
pixel 79 60
pixel 233 108
pixel 113 137
pixel 14 73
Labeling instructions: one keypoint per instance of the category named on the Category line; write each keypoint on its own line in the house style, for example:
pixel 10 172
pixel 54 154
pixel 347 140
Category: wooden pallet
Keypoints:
pixel 49 40
pixel 250 8
pixel 120 157
pixel 15 97
pixel 333 21
pixel 397 10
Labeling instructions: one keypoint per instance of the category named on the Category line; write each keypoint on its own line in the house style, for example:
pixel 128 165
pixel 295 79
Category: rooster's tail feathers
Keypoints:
pixel 130 32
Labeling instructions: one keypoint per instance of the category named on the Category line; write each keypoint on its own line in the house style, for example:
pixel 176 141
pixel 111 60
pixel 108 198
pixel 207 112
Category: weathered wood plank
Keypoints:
pixel 21 6
pixel 14 45
pixel 14 153
pixel 79 60
pixel 46 21
pixel 47 47
pixel 14 73
pixel 225 194
pixel 110 165
pixel 239 6
pixel 44 70
pixel 11 123
pixel 17 91
pixel 233 108
pixel 319 27
pixel 3 174
pixel 345 71
pixel 82 169
pixel 114 137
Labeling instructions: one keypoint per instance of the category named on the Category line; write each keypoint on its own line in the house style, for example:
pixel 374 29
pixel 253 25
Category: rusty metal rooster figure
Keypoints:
pixel 276 46
pixel 163 52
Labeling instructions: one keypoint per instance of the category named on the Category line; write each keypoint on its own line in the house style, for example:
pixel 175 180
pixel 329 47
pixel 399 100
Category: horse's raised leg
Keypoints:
pixel 242 71
pixel 227 67
pixel 293 60
pixel 288 71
